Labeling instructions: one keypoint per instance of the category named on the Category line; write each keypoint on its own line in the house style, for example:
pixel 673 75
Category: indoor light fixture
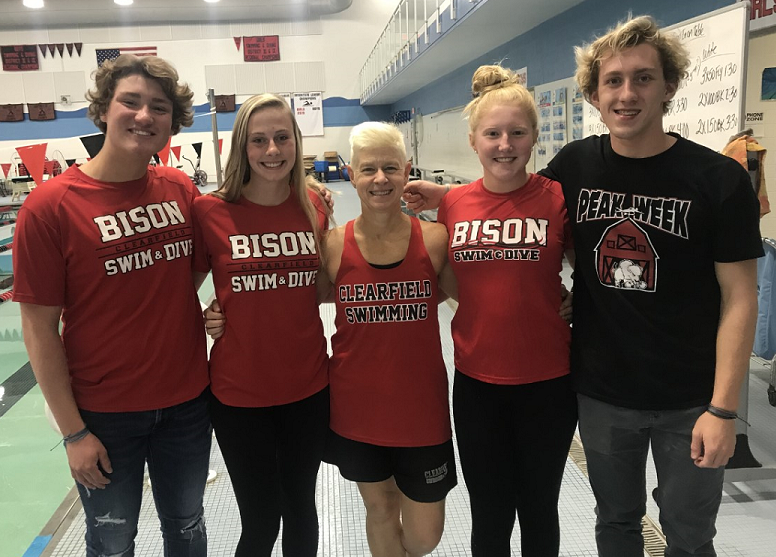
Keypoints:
pixel 33 3
pixel 211 1
pixel 123 2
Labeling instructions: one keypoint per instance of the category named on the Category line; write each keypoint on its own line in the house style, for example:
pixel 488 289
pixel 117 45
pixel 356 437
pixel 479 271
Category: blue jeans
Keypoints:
pixel 175 442
pixel 616 442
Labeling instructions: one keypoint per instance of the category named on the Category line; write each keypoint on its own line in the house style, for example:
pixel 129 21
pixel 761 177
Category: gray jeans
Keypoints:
pixel 616 442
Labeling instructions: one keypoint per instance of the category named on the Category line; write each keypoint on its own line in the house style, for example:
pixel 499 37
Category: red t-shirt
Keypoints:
pixel 264 262
pixel 381 393
pixel 506 251
pixel 118 258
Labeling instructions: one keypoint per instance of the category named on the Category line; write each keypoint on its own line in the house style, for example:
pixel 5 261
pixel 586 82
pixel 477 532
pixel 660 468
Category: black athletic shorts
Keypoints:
pixel 423 474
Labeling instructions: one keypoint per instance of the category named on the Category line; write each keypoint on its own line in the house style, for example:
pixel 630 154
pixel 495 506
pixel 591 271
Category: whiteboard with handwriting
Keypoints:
pixel 709 106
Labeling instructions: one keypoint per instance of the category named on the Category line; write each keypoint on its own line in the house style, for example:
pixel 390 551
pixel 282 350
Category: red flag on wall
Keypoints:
pixel 164 154
pixel 220 145
pixel 33 157
pixel 70 49
pixel 176 151
pixel 43 49
pixel 237 41
pixel 6 168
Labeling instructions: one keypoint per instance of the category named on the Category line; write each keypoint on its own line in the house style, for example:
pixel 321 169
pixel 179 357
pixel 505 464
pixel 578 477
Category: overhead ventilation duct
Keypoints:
pixel 327 7
pixel 57 13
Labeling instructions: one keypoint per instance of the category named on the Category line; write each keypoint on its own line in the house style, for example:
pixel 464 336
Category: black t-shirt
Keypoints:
pixel 647 233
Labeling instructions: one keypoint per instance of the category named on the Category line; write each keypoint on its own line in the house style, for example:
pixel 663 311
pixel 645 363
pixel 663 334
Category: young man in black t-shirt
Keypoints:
pixel 666 237
pixel 665 296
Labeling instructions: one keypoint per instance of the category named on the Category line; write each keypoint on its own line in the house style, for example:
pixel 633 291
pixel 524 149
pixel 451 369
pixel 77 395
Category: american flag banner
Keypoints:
pixel 113 53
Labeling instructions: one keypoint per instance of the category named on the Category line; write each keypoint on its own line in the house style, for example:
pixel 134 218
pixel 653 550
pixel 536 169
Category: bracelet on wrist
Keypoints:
pixel 721 413
pixel 77 436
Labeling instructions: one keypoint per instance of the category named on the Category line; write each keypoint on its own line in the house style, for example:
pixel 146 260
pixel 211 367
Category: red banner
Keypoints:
pixel 19 58
pixel 261 49
pixel 6 168
pixel 176 151
pixel 237 42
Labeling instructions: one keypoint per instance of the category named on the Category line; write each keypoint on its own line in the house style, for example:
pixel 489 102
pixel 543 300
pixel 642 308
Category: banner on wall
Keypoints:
pixel 41 111
pixel 309 113
pixel 20 57
pixel 762 14
pixel 261 49
pixel 11 112
pixel 225 103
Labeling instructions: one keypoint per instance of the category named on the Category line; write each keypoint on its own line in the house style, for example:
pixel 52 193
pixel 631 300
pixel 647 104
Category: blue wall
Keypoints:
pixel 548 49
pixel 337 112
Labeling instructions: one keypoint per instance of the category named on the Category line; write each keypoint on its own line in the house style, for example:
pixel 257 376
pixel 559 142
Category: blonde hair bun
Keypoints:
pixel 487 78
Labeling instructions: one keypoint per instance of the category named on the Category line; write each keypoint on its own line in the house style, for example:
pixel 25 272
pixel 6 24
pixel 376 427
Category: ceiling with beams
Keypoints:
pixel 13 15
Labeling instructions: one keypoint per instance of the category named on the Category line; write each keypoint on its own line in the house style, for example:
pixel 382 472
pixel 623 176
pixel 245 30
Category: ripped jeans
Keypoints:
pixel 175 442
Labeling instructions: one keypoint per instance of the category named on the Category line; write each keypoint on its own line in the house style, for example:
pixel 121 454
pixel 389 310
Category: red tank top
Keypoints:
pixel 383 392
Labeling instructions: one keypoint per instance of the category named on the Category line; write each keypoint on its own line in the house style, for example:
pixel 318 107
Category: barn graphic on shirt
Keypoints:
pixel 626 258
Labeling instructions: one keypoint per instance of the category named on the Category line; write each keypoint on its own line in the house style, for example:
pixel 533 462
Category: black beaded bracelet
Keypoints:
pixel 721 413
pixel 77 436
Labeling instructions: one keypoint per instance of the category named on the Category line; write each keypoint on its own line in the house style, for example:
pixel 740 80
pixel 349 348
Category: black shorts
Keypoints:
pixel 423 474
